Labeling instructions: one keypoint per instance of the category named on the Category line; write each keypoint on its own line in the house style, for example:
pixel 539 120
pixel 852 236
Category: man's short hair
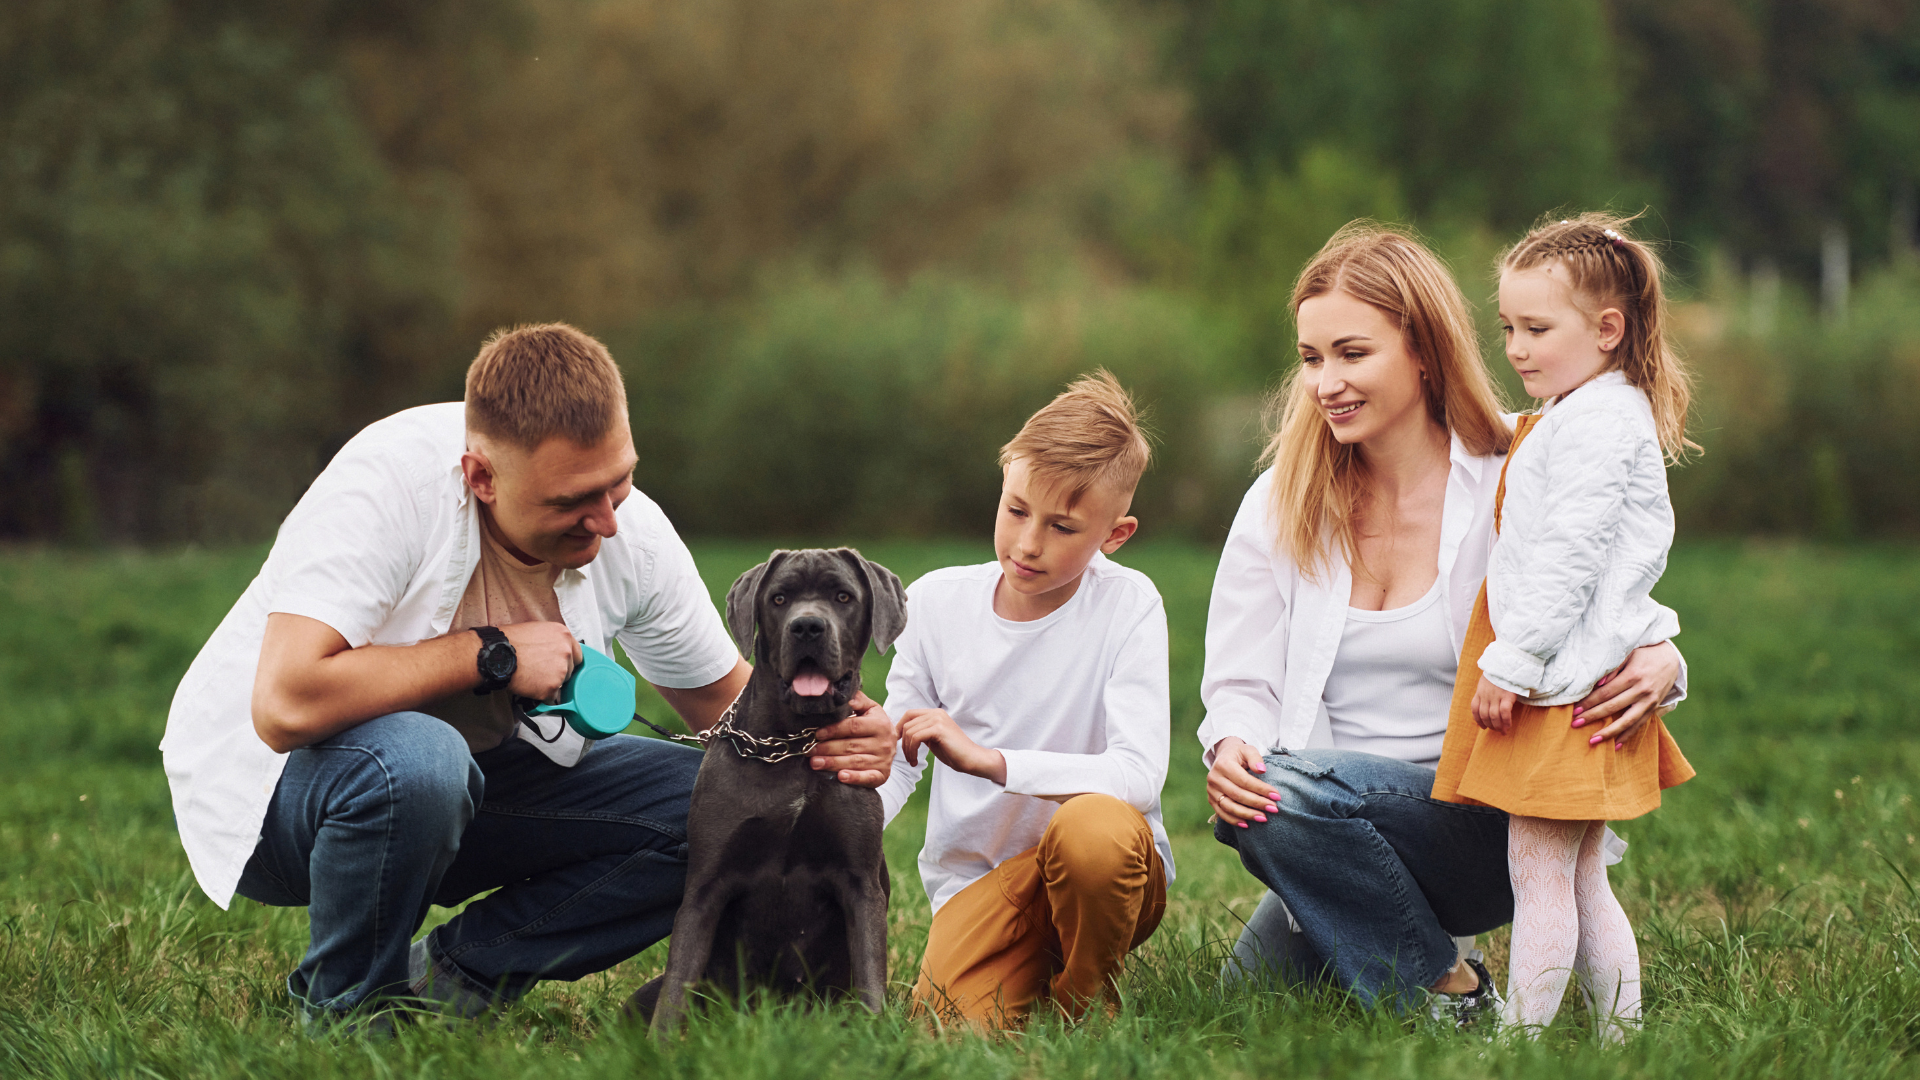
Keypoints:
pixel 531 383
pixel 1088 435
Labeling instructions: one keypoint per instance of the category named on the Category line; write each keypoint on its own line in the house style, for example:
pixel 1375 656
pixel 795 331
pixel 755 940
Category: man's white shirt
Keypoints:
pixel 1077 702
pixel 381 548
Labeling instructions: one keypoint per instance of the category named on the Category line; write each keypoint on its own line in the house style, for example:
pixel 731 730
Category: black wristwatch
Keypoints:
pixel 497 660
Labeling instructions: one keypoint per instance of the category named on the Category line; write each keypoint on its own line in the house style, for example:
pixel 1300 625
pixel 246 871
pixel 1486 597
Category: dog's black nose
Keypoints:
pixel 808 628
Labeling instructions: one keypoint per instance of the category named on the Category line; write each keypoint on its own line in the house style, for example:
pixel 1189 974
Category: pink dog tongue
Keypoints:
pixel 810 684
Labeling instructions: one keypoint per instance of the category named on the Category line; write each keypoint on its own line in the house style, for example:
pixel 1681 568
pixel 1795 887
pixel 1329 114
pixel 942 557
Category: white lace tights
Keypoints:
pixel 1567 922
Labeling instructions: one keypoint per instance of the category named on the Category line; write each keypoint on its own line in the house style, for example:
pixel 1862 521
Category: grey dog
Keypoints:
pixel 787 885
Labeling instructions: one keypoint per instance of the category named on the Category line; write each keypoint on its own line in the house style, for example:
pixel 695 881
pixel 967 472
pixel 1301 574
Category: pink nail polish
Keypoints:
pixel 1242 824
pixel 1261 818
pixel 1260 767
pixel 1271 809
pixel 1577 721
pixel 1595 741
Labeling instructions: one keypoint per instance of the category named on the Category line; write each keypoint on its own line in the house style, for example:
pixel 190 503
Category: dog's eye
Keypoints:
pixel 845 598
pixel 779 600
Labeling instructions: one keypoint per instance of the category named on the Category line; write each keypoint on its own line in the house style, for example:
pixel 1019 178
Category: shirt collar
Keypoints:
pixel 1457 511
pixel 1611 377
pixel 1459 457
pixel 463 494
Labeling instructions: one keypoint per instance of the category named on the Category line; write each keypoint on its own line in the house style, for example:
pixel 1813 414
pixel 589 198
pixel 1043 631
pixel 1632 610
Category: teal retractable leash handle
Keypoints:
pixel 597 699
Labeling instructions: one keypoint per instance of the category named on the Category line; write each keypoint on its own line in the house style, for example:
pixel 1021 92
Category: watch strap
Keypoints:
pixel 490 638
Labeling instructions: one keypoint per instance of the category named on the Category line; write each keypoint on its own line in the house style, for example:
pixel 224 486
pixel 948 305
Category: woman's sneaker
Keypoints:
pixel 1468 1009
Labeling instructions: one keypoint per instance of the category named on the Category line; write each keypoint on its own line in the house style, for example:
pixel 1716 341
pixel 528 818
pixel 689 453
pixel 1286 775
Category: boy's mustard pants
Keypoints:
pixel 1055 920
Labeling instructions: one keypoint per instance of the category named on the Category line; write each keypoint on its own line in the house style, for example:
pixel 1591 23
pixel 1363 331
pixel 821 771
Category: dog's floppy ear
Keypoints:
pixel 743 613
pixel 886 599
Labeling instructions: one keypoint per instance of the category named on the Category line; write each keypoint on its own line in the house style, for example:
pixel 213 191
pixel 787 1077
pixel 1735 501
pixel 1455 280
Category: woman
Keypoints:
pixel 1334 635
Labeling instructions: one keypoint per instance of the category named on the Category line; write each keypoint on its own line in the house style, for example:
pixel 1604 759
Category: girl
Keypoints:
pixel 1583 526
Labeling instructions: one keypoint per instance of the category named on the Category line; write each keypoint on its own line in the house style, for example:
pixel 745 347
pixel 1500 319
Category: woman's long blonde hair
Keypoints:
pixel 1320 483
pixel 1609 268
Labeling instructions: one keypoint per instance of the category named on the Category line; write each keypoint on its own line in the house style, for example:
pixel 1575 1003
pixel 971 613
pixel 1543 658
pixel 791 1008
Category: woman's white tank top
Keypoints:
pixel 1392 681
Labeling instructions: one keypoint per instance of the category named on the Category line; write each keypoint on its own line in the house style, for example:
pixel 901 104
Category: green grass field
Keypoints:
pixel 1774 896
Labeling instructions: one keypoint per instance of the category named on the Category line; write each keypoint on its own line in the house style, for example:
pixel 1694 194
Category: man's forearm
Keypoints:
pixel 311 686
pixel 700 706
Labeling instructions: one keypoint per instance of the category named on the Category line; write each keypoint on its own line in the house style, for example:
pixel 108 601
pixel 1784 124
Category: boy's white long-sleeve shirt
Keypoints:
pixel 1077 703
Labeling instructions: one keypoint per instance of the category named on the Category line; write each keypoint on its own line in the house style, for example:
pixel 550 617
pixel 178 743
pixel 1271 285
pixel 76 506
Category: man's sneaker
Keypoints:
pixel 1468 1009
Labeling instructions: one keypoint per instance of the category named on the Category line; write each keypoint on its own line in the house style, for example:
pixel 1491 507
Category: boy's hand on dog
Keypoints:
pixel 938 732
pixel 1493 707
pixel 860 748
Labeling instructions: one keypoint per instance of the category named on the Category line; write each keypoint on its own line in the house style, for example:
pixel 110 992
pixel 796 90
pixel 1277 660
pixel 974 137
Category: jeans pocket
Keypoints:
pixel 1293 762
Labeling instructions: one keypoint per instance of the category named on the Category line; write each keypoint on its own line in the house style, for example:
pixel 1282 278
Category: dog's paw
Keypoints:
pixel 639 1008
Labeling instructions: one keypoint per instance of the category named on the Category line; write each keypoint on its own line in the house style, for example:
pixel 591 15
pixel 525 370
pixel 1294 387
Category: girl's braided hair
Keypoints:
pixel 1607 267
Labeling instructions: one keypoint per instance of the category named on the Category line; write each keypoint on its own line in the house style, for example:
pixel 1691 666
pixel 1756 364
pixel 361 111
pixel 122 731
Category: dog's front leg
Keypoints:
pixel 864 899
pixel 689 951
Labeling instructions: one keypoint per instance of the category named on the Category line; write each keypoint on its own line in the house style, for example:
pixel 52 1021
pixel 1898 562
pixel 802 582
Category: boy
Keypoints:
pixel 1039 684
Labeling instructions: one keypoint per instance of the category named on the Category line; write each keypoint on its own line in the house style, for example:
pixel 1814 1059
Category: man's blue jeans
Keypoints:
pixel 369 828
pixel 1379 875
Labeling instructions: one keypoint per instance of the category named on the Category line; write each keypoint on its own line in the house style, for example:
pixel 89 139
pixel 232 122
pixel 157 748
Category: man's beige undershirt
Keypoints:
pixel 502 591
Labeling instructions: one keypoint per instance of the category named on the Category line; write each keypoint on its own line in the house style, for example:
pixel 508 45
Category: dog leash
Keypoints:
pixel 745 743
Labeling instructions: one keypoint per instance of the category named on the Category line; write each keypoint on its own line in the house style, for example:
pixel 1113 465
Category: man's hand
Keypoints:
pixel 545 654
pixel 1234 790
pixel 860 748
pixel 1493 707
pixel 938 732
pixel 1631 694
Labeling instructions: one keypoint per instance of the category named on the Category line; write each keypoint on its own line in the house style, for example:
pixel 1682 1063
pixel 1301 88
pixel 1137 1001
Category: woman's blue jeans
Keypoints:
pixel 1379 875
pixel 369 828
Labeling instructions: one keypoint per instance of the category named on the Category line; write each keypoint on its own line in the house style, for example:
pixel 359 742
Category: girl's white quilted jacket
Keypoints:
pixel 1584 535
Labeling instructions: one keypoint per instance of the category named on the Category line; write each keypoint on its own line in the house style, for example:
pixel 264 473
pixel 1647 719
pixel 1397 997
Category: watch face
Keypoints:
pixel 497 661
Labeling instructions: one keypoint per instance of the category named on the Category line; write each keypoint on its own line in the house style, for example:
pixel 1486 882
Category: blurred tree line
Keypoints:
pixel 842 247
pixel 1747 124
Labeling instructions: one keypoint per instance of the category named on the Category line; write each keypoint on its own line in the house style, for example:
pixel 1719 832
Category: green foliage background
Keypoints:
pixel 843 248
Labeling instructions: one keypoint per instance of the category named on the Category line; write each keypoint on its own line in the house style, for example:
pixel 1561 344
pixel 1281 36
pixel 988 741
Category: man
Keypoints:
pixel 347 739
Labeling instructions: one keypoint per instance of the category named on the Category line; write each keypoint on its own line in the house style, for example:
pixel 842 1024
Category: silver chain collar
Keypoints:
pixel 747 744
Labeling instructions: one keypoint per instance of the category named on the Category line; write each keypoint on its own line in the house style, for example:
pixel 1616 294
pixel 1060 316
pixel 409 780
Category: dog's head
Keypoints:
pixel 813 613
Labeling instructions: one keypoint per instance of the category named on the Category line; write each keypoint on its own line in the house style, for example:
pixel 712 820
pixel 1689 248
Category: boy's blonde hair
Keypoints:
pixel 1319 483
pixel 1606 267
pixel 531 383
pixel 1089 435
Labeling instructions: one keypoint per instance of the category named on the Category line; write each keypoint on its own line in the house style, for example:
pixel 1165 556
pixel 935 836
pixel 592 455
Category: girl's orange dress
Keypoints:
pixel 1543 767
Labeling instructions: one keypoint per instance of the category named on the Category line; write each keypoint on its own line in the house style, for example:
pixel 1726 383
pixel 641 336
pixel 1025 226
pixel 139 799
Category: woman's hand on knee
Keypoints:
pixel 1632 694
pixel 1234 788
